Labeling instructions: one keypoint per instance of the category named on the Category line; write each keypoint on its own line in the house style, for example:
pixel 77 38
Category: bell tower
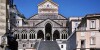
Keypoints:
pixel 48 7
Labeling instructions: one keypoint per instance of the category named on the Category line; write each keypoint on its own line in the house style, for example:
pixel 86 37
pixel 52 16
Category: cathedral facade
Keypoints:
pixel 47 25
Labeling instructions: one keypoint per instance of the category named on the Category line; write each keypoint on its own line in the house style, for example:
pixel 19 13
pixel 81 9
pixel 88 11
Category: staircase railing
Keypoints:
pixel 39 44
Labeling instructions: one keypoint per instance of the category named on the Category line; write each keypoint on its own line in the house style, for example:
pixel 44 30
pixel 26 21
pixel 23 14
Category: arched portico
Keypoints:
pixel 48 31
pixel 56 35
pixel 40 34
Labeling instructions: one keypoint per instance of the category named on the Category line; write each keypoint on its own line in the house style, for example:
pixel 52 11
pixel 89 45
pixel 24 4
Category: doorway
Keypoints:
pixel 48 31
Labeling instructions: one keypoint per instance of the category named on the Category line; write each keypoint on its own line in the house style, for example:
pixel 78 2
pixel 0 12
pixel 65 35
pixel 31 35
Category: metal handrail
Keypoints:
pixel 39 44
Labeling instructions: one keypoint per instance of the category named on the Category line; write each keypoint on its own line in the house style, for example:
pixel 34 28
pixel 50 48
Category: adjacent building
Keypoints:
pixel 86 35
pixel 73 23
pixel 3 22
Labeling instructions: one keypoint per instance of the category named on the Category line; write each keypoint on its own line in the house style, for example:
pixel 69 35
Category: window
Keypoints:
pixel 92 24
pixel 82 43
pixel 32 45
pixel 92 40
pixel 61 46
pixel 24 45
pixel 76 24
pixel 48 5
pixel 82 34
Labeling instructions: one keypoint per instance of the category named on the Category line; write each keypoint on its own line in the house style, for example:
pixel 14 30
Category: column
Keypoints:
pixel 63 36
pixel 52 34
pixel 44 34
pixel 60 35
pixel 27 36
pixel 36 36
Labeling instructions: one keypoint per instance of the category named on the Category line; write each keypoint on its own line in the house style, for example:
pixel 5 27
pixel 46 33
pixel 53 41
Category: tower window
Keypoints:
pixel 61 46
pixel 48 5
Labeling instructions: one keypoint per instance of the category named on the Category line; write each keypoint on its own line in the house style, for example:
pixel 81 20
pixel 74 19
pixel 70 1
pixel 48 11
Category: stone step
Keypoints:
pixel 48 45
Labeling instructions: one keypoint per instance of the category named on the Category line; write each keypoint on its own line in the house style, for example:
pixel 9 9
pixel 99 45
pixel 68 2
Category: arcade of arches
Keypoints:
pixel 40 34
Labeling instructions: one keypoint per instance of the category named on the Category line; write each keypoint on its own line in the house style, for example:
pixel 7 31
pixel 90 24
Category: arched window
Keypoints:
pixel 62 36
pixel 30 36
pixel 56 35
pixel 40 34
pixel 32 32
pixel 34 36
pixel 15 36
pixel 18 36
pixel 24 31
pixel 66 36
pixel 24 36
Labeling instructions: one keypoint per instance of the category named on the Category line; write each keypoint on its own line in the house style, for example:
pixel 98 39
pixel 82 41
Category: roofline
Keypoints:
pixel 37 14
pixel 49 1
pixel 63 16
pixel 32 16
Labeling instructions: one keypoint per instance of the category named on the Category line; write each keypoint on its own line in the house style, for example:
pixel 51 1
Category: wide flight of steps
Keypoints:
pixel 48 45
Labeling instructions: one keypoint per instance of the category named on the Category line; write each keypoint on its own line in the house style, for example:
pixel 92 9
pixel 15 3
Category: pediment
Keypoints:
pixel 43 23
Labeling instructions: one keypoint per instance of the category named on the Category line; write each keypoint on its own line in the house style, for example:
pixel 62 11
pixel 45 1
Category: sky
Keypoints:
pixel 68 8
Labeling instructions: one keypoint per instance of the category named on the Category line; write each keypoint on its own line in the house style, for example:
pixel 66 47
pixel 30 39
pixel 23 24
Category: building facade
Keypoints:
pixel 47 25
pixel 3 10
pixel 73 23
pixel 3 23
pixel 87 34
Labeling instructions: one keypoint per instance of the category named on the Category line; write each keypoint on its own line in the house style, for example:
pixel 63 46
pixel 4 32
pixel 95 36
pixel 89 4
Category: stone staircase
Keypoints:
pixel 48 45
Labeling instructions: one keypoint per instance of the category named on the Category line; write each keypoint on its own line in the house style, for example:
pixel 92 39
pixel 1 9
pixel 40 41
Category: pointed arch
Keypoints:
pixel 64 36
pixel 34 36
pixel 48 31
pixel 24 36
pixel 30 36
pixel 40 34
pixel 56 35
